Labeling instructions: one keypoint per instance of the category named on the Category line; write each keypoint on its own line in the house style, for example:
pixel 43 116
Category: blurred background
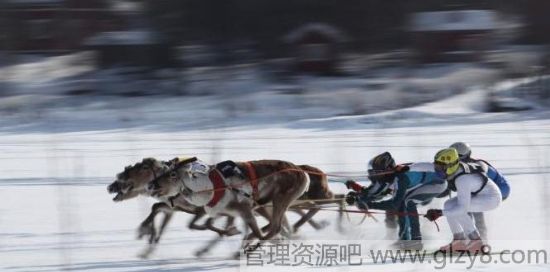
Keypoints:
pixel 229 48
pixel 89 86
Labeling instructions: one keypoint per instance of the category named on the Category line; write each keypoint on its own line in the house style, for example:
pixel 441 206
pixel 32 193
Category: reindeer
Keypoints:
pixel 279 183
pixel 131 183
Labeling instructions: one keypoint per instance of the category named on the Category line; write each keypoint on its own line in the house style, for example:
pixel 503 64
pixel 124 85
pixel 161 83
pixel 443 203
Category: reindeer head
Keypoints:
pixel 169 184
pixel 133 180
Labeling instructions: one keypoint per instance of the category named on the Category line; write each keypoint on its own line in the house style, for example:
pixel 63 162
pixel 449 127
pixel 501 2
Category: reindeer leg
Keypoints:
pixel 286 230
pixel 213 242
pixel 230 226
pixel 284 200
pixel 250 220
pixel 307 217
pixel 279 209
pixel 262 211
pixel 147 252
pixel 148 225
pixel 193 224
pixel 154 238
pixel 247 215
pixel 210 225
pixel 244 240
pixel 267 215
pixel 167 217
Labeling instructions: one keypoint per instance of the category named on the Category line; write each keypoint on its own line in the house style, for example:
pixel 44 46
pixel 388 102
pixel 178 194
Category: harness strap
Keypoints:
pixel 466 169
pixel 253 180
pixel 485 180
pixel 219 186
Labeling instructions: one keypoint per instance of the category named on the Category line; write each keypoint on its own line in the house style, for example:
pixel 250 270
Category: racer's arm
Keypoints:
pixel 394 203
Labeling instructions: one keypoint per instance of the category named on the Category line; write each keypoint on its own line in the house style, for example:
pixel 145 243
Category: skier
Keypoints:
pixel 475 193
pixel 464 152
pixel 412 184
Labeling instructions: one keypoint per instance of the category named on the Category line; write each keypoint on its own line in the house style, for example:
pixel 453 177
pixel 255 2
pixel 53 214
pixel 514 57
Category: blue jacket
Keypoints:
pixel 497 178
pixel 403 183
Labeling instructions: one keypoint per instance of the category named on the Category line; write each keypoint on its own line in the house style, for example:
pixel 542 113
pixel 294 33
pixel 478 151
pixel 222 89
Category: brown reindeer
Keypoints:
pixel 318 189
pixel 318 194
pixel 279 183
pixel 131 181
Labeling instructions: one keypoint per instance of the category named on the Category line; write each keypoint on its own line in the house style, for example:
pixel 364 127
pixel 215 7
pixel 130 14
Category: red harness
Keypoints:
pixel 219 187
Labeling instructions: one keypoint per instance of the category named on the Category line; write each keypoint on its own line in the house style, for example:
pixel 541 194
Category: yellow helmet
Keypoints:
pixel 446 161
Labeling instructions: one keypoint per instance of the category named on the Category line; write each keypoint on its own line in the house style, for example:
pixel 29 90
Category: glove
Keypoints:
pixel 388 191
pixel 351 198
pixel 352 185
pixel 433 214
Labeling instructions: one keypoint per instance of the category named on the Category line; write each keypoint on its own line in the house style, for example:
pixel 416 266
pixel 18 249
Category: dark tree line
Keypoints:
pixel 373 24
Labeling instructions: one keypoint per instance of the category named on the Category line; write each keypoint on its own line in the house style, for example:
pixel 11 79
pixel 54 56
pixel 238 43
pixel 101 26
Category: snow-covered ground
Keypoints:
pixel 59 153
pixel 56 214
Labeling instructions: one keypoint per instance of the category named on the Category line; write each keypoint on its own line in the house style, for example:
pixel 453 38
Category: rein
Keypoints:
pixel 369 212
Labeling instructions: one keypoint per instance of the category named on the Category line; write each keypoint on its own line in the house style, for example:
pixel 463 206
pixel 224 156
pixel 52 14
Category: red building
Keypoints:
pixel 453 35
pixel 315 48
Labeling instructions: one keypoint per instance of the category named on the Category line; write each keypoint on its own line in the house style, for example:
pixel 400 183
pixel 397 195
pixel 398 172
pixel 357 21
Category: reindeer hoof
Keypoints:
pixel 252 247
pixel 200 253
pixel 144 230
pixel 143 256
pixel 232 231
pixel 323 224
pixel 146 253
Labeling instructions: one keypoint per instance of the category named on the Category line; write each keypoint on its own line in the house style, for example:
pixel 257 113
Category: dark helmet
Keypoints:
pixel 379 164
